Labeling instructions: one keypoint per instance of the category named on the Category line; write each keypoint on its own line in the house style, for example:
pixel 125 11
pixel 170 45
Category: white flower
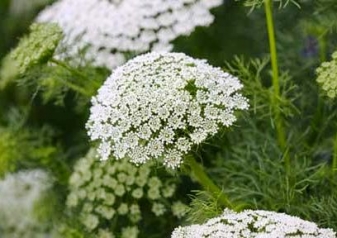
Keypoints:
pixel 104 234
pixel 113 197
pixel 90 221
pixel 258 224
pixel 130 232
pixel 137 193
pixel 179 209
pixel 158 209
pixel 123 209
pixel 184 101
pixel 109 30
pixel 19 195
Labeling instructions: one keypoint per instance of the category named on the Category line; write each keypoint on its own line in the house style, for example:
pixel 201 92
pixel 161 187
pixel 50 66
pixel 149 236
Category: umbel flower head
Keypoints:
pixel 115 196
pixel 250 224
pixel 158 105
pixel 37 47
pixel 21 194
pixel 327 76
pixel 111 29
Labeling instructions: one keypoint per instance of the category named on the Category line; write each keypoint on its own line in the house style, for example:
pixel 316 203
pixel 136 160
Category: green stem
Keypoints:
pixel 74 87
pixel 67 67
pixel 322 47
pixel 275 77
pixel 199 173
pixel 334 159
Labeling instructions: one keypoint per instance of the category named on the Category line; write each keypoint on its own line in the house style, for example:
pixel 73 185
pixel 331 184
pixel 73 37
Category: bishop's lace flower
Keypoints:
pixel 110 29
pixel 118 196
pixel 20 194
pixel 249 224
pixel 159 105
pixel 327 76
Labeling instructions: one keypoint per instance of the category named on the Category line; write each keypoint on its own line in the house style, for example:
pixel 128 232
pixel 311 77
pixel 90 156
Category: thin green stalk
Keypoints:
pixel 199 173
pixel 72 86
pixel 67 67
pixel 322 54
pixel 321 36
pixel 334 159
pixel 275 78
pixel 322 47
pixel 76 88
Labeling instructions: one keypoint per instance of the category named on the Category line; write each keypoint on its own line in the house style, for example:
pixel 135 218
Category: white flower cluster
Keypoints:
pixel 108 192
pixel 111 29
pixel 159 105
pixel 19 195
pixel 249 224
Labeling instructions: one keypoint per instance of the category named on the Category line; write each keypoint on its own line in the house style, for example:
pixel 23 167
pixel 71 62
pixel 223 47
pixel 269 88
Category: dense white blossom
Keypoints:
pixel 111 29
pixel 110 195
pixel 20 193
pixel 249 224
pixel 159 105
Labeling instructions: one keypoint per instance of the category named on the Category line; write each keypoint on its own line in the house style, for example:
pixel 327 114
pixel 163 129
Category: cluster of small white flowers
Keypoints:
pixel 249 223
pixel 159 105
pixel 104 191
pixel 110 29
pixel 19 195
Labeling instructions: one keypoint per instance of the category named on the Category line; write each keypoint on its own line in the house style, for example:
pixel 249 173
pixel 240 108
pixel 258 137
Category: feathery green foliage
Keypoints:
pixel 325 14
pixel 35 148
pixel 202 207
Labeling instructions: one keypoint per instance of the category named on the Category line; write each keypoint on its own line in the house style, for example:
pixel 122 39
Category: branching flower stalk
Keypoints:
pixel 326 78
pixel 198 172
pixel 70 85
pixel 322 42
pixel 275 80
pixel 334 159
